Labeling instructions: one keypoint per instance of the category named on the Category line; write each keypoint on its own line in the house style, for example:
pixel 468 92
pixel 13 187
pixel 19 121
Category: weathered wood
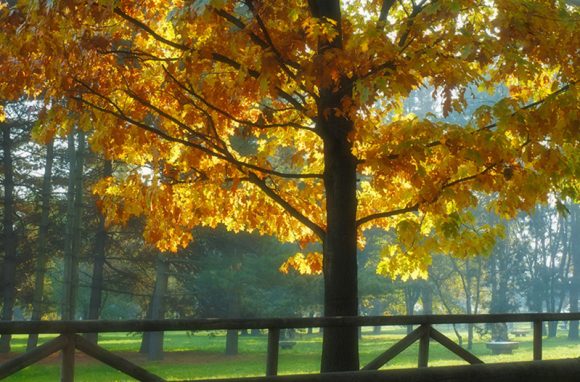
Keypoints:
pixel 31 357
pixel 395 350
pixel 272 360
pixel 423 359
pixel 567 370
pixel 67 370
pixel 115 361
pixel 109 326
pixel 453 347
pixel 538 326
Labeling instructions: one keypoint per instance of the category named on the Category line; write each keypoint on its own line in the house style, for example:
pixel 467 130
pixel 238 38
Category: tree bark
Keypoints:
pixel 73 232
pixel 101 237
pixel 340 345
pixel 575 282
pixel 232 342
pixel 234 310
pixel 155 345
pixel 10 256
pixel 41 255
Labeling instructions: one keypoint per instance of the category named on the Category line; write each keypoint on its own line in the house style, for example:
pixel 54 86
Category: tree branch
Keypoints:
pixel 385 8
pixel 415 207
pixel 215 56
pixel 189 90
pixel 387 214
pixel 121 115
pixel 261 184
pixel 493 125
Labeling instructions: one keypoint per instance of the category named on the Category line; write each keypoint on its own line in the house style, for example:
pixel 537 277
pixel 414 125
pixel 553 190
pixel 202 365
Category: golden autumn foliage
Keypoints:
pixel 214 106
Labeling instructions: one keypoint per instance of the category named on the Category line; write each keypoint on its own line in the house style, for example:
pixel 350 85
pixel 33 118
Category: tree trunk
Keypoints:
pixel 234 309
pixel 232 342
pixel 8 282
pixel 310 329
pixel 41 254
pixel 427 298
pixel 145 339
pixel 378 310
pixel 575 282
pixel 155 345
pixel 73 231
pixel 95 300
pixel 340 345
pixel 412 294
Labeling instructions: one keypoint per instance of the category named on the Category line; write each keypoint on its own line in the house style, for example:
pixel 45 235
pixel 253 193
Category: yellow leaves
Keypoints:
pixel 408 232
pixel 412 264
pixel 2 114
pixel 323 28
pixel 309 264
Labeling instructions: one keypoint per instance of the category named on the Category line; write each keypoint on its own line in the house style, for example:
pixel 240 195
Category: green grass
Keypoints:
pixel 201 355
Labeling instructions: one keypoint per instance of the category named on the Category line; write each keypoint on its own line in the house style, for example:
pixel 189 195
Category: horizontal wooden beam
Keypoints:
pixel 107 326
pixel 562 370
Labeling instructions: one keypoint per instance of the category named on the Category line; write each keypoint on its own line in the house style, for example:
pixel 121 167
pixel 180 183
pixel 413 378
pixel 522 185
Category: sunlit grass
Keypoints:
pixel 200 355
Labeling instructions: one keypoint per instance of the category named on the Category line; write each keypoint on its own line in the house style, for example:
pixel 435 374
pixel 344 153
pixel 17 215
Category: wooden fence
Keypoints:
pixel 69 340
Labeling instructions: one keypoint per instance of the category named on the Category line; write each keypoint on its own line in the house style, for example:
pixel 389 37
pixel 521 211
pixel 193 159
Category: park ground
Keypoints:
pixel 201 355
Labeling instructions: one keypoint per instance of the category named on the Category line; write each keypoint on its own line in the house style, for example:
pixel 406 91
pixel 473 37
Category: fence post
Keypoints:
pixel 424 346
pixel 538 326
pixel 67 371
pixel 273 346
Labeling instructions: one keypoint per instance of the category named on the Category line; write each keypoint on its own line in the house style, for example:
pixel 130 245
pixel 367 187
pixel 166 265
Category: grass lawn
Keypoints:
pixel 201 356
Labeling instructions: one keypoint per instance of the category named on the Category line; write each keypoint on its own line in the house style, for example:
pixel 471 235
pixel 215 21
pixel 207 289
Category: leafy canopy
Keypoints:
pixel 219 101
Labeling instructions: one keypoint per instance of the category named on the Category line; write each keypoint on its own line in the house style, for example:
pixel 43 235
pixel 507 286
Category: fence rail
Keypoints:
pixel 69 339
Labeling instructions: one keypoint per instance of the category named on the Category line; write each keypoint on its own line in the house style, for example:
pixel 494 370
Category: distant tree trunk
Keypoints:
pixel 232 342
pixel 145 339
pixel 499 289
pixel 9 267
pixel 378 310
pixel 575 282
pixel 427 298
pixel 41 253
pixel 73 229
pixel 412 295
pixel 155 345
pixel 232 334
pixel 310 329
pixel 95 300
pixel 478 278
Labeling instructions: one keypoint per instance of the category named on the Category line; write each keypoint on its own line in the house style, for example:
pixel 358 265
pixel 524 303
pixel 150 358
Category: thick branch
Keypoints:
pixel 261 184
pixel 189 90
pixel 150 31
pixel 387 214
pixel 120 115
pixel 385 8
pixel 415 207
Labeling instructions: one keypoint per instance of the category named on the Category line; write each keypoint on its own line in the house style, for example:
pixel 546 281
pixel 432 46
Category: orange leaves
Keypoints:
pixel 309 264
pixel 198 100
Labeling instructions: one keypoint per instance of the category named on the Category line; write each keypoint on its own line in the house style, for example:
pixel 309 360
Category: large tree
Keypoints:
pixel 286 117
